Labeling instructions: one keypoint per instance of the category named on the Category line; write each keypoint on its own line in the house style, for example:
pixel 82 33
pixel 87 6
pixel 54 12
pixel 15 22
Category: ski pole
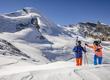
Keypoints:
pixel 85 55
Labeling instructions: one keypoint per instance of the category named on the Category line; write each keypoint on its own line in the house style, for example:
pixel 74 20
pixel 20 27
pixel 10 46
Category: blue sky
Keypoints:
pixel 64 11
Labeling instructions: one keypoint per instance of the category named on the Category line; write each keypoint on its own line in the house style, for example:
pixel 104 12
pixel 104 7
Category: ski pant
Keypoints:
pixel 79 61
pixel 97 60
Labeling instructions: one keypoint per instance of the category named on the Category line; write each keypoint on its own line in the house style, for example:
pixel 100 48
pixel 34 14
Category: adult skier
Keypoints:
pixel 78 49
pixel 97 52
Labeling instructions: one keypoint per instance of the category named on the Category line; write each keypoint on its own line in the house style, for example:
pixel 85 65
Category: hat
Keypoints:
pixel 96 42
pixel 79 42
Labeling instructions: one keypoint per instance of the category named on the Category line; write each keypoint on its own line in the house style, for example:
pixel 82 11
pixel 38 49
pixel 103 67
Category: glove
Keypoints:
pixel 86 44
pixel 97 50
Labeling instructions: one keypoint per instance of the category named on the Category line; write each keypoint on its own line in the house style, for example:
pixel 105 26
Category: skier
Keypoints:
pixel 78 49
pixel 98 52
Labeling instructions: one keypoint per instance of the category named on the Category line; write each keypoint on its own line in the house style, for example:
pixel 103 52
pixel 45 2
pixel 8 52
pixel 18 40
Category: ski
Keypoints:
pixel 85 56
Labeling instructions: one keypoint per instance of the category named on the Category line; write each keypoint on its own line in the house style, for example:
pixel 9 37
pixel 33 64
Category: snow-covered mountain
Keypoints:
pixel 28 38
pixel 89 29
pixel 19 27
pixel 22 19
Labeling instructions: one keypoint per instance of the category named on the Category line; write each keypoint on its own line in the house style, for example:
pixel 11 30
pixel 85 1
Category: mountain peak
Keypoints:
pixel 29 9
pixel 22 12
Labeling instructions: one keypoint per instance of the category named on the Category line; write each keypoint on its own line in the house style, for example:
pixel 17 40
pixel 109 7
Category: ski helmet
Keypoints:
pixel 96 42
pixel 79 42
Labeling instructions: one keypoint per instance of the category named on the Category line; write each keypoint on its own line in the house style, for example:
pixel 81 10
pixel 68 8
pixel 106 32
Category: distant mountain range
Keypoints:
pixel 88 29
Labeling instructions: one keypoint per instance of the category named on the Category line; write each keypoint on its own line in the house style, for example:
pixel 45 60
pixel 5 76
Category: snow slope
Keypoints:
pixel 55 71
pixel 21 52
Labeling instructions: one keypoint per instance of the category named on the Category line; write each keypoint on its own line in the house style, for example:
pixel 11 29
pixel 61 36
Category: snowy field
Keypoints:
pixel 54 71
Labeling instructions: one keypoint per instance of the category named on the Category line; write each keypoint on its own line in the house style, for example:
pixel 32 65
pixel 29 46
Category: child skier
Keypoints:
pixel 98 52
pixel 78 49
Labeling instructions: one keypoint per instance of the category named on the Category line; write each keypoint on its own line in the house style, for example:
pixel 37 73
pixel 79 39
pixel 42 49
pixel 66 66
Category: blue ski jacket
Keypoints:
pixel 78 51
